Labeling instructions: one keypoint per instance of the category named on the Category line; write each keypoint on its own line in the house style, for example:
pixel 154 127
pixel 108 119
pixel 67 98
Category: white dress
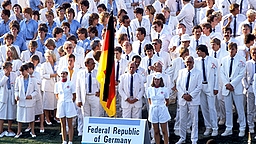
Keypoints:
pixel 158 111
pixel 65 105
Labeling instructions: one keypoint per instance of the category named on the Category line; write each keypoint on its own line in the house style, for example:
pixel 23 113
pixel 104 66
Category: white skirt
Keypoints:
pixel 158 114
pixel 66 109
pixel 25 114
pixel 49 101
pixel 8 110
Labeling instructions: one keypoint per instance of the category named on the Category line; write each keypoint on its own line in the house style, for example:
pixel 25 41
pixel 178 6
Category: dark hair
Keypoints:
pixel 82 31
pixel 142 30
pixel 216 41
pixel 124 17
pixel 161 17
pixel 42 28
pixel 121 37
pixel 70 10
pixel 35 57
pixel 6 3
pixel 138 10
pixel 36 13
pixel 65 24
pixel 57 30
pixel 227 29
pixel 203 48
pixel 17 5
pixel 8 35
pixel 102 6
pixel 88 60
pixel 72 56
pixel 15 24
pixel 159 23
pixel 94 43
pixel 118 48
pixel 93 29
pixel 30 65
pixel 6 12
pixel 121 11
pixel 248 38
pixel 85 3
pixel 96 55
pixel 7 64
pixel 161 82
pixel 72 38
pixel 231 45
pixel 197 27
pixel 148 47
pixel 208 26
pixel 93 17
pixel 209 12
pixel 136 57
pixel 233 6
pixel 23 68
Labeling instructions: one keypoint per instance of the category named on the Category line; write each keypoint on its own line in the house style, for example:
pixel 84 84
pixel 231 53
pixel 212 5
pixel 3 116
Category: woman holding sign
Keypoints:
pixel 158 99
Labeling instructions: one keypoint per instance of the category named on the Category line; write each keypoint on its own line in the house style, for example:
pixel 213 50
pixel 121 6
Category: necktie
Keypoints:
pixel 179 41
pixel 227 46
pixel 127 57
pixel 241 6
pixel 90 82
pixel 158 54
pixel 250 27
pixel 149 64
pixel 204 75
pixel 197 43
pixel 128 34
pixel 81 19
pixel 213 30
pixel 187 83
pixel 31 54
pixel 140 49
pixel 162 5
pixel 8 83
pixel 178 5
pixel 230 67
pixel 234 30
pixel 131 87
pixel 158 36
pixel 254 67
pixel 117 71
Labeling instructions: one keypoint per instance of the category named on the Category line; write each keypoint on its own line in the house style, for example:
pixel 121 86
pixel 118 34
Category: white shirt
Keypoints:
pixel 85 19
pixel 239 19
pixel 144 23
pixel 186 17
pixel 145 62
pixel 136 46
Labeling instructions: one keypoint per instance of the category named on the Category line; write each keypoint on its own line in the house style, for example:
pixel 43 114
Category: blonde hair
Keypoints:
pixel 50 53
pixel 14 53
pixel 104 15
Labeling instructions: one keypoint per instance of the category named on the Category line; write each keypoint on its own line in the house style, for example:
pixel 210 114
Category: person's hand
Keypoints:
pixel 135 4
pixel 215 92
pixel 187 97
pixel 17 98
pixel 79 104
pixel 174 89
pixel 151 67
pixel 230 19
pixel 97 94
pixel 6 72
pixel 29 97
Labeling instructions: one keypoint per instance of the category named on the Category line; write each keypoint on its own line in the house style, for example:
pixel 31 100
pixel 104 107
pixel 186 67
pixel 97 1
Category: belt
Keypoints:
pixel 90 94
pixel 29 38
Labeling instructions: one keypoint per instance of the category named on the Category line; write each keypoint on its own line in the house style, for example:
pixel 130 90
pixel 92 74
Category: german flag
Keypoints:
pixel 106 71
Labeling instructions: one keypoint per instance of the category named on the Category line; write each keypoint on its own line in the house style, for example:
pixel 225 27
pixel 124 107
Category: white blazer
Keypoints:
pixel 136 46
pixel 177 64
pixel 47 82
pixel 124 89
pixel 25 56
pixel 211 67
pixel 195 86
pixel 144 23
pixel 85 19
pixel 81 85
pixel 238 70
pixel 20 92
pixel 248 76
pixel 4 88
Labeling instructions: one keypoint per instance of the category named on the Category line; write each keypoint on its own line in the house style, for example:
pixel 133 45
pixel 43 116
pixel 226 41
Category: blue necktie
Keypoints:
pixel 117 71
pixel 140 49
pixel 149 64
pixel 204 76
pixel 187 83
pixel 90 82
pixel 131 87
pixel 234 30
pixel 230 67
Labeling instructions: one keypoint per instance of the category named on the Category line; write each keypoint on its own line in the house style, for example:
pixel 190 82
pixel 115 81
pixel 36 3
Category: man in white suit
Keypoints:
pixel 25 55
pixel 139 44
pixel 140 21
pixel 248 89
pixel 208 67
pixel 231 72
pixel 83 15
pixel 131 90
pixel 189 85
pixel 218 53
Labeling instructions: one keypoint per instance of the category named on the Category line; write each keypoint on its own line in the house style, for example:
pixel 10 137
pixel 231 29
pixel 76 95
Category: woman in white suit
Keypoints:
pixel 48 74
pixel 13 57
pixel 7 101
pixel 25 95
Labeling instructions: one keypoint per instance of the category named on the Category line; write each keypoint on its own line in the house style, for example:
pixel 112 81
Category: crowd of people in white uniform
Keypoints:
pixel 193 52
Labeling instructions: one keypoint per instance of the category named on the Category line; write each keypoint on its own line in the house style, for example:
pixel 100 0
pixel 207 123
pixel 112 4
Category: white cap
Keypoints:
pixel 185 37
pixel 158 75
pixel 64 70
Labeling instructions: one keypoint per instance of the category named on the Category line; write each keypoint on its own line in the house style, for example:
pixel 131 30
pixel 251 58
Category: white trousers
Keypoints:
pixel 177 119
pixel 131 112
pixel 92 106
pixel 184 110
pixel 250 109
pixel 207 103
pixel 238 100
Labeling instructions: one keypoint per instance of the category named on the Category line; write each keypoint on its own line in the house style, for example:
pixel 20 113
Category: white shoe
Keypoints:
pixel 153 141
pixel 28 129
pixel 64 142
pixel 3 134
pixel 18 135
pixel 214 133
pixel 177 132
pixel 207 131
pixel 241 133
pixel 10 134
pixel 181 141
pixel 80 134
pixel 32 135
pixel 251 130
pixel 227 133
pixel 222 121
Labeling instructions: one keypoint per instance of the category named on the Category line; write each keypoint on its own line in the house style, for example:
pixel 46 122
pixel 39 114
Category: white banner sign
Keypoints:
pixel 114 130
